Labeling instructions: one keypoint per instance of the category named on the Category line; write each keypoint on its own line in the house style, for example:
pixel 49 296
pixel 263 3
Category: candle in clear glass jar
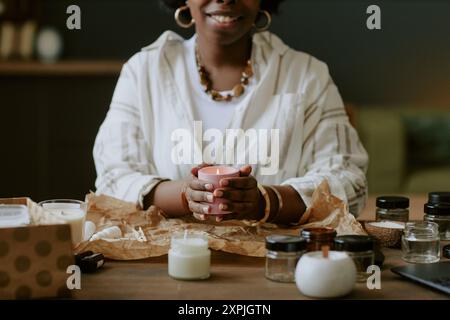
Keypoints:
pixel 213 175
pixel 73 212
pixel 189 256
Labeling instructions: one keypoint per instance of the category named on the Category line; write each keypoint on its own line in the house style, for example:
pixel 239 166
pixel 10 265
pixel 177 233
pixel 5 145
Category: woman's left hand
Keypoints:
pixel 242 196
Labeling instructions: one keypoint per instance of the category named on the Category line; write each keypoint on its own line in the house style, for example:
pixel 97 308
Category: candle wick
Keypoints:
pixel 325 251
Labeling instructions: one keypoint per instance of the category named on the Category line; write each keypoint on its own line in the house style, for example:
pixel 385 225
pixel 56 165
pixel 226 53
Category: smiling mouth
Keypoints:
pixel 223 18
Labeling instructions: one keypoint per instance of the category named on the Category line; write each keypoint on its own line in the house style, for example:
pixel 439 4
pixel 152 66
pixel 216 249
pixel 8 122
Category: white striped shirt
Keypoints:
pixel 293 93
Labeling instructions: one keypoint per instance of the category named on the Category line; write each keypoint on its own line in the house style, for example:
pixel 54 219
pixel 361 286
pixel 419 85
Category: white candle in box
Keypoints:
pixel 72 212
pixel 189 257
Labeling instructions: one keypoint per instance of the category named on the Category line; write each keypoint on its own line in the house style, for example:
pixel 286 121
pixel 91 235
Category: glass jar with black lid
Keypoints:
pixel 361 249
pixel 437 210
pixel 439 197
pixel 446 251
pixel 392 208
pixel 316 238
pixel 283 253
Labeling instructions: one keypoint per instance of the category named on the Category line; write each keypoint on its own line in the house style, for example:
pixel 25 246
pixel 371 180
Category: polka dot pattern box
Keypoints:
pixel 34 260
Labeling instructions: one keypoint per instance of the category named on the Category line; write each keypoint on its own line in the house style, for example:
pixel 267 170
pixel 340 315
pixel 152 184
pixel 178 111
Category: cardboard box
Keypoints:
pixel 34 259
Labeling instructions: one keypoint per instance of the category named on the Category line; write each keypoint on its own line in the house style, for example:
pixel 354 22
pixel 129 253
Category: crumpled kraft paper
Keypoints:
pixel 230 236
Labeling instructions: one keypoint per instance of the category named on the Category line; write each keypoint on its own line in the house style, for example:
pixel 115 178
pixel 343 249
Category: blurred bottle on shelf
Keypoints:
pixel 18 28
pixel 49 45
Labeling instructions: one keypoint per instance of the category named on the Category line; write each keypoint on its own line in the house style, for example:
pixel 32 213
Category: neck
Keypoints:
pixel 216 55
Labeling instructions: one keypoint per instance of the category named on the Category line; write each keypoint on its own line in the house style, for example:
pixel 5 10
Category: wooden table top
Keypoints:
pixel 235 277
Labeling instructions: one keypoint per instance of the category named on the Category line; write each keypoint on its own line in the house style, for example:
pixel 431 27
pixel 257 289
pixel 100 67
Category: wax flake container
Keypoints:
pixel 387 233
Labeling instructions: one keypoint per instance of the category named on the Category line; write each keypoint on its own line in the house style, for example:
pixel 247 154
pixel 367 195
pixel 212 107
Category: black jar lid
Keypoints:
pixel 354 243
pixel 437 209
pixel 392 202
pixel 285 243
pixel 446 251
pixel 324 233
pixel 438 197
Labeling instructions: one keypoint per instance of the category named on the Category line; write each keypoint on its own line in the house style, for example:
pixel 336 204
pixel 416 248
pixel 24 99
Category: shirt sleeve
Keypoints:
pixel 121 154
pixel 331 150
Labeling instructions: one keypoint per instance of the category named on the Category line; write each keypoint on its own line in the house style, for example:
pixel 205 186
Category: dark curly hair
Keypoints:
pixel 269 5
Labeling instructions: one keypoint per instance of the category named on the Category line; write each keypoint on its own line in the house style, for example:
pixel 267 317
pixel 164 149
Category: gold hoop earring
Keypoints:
pixel 178 19
pixel 268 23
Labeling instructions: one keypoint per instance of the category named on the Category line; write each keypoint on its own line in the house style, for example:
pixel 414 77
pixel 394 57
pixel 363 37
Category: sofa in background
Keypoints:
pixel 409 148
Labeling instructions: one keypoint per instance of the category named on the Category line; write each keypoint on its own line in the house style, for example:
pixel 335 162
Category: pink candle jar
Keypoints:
pixel 213 175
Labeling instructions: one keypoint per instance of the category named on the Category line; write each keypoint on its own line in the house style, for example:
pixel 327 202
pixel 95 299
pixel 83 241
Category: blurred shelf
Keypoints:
pixel 62 68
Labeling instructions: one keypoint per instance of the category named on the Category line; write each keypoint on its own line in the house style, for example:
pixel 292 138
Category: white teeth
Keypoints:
pixel 224 19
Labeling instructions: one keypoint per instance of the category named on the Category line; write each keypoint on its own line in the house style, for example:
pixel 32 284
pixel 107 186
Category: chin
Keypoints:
pixel 226 37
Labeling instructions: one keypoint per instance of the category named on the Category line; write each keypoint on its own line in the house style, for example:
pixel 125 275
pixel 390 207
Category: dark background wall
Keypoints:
pixel 407 61
pixel 48 124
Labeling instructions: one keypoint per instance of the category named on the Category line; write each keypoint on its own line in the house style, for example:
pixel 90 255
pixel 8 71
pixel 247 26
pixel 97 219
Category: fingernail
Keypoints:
pixel 225 182
pixel 210 198
pixel 206 209
pixel 209 186
pixel 218 193
pixel 223 207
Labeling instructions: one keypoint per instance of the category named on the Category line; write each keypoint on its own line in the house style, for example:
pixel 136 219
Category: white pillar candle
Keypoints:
pixel 73 212
pixel 325 277
pixel 189 257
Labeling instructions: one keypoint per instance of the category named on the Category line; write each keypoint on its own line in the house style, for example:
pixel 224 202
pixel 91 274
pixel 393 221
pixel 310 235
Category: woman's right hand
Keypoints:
pixel 199 194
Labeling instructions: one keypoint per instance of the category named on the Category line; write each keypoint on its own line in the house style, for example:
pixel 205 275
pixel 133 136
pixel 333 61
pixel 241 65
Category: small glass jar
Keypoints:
pixel 390 208
pixel 420 242
pixel 438 210
pixel 316 238
pixel 446 251
pixel 361 250
pixel 438 197
pixel 283 253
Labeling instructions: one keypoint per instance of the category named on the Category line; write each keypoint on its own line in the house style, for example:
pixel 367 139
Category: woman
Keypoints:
pixel 230 74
